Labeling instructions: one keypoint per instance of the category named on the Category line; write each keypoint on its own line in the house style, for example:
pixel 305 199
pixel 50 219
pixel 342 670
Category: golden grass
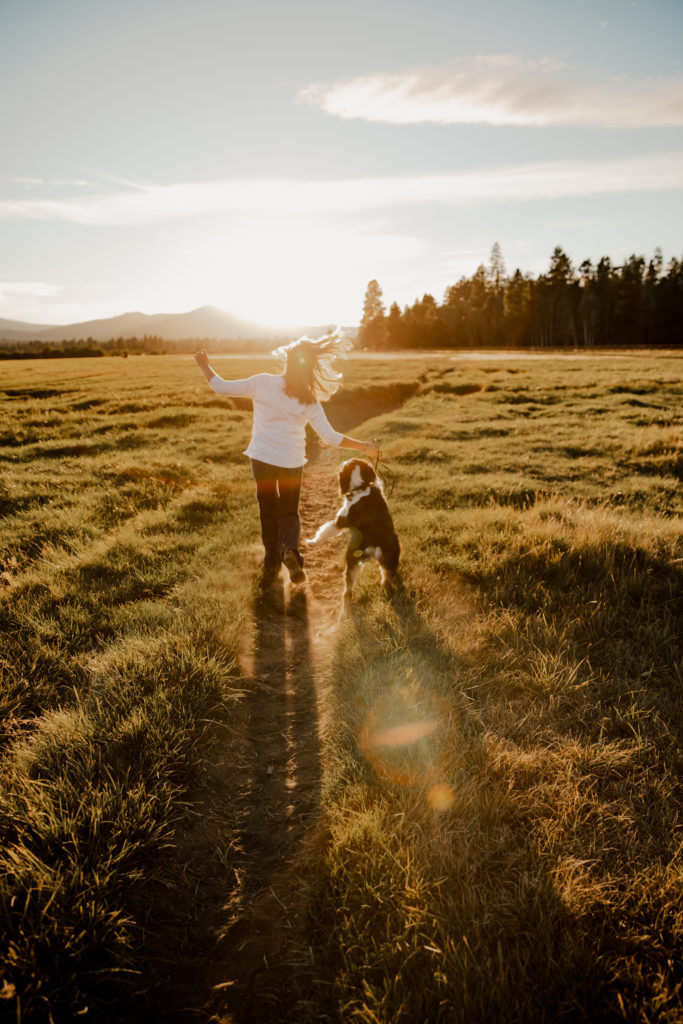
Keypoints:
pixel 499 833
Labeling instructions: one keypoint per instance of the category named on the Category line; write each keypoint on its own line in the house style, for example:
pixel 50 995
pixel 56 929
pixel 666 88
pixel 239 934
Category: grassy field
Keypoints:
pixel 497 835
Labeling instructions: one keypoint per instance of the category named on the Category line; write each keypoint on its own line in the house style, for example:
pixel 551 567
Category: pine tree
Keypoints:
pixel 372 333
pixel 496 268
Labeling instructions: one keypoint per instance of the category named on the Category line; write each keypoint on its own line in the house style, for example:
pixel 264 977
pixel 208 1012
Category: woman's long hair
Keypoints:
pixel 309 374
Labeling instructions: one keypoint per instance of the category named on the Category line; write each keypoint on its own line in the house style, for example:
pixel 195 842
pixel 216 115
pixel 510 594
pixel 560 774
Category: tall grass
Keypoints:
pixel 120 618
pixel 499 832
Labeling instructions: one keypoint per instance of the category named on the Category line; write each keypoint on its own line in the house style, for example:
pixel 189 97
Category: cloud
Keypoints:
pixel 37 289
pixel 149 204
pixel 502 90
pixel 24 300
pixel 66 182
pixel 42 302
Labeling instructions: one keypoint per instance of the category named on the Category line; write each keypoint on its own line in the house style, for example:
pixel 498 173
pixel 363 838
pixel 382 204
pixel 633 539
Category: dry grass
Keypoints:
pixel 499 835
pixel 119 640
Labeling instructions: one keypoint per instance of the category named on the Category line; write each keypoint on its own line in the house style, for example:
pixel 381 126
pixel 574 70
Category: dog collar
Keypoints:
pixel 359 492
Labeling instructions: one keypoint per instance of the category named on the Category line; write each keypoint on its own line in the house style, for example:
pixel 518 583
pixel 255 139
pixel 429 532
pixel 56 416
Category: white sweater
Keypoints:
pixel 279 432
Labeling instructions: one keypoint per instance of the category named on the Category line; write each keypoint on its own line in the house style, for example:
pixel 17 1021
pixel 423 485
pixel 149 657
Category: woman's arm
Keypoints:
pixel 322 427
pixel 232 388
pixel 371 449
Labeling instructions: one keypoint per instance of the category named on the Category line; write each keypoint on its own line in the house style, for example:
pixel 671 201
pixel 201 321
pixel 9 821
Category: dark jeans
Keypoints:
pixel 278 491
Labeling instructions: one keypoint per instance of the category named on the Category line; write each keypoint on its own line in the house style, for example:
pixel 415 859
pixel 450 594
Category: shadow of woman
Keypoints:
pixel 279 800
pixel 282 745
pixel 212 932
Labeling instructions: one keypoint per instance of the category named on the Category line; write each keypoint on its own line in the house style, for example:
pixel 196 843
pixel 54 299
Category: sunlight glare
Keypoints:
pixel 409 732
pixel 441 797
pixel 280 269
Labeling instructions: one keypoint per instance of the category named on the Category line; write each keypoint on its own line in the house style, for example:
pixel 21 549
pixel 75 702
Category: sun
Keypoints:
pixel 281 268
pixel 277 270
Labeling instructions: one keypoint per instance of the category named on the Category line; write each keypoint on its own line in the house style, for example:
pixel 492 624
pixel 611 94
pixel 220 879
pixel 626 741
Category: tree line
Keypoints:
pixel 638 303
pixel 149 344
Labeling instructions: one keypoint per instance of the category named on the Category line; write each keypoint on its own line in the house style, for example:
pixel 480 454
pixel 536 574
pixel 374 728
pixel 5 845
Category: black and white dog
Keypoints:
pixel 365 513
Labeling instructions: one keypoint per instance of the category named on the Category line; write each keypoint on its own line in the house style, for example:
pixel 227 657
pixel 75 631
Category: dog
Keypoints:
pixel 365 513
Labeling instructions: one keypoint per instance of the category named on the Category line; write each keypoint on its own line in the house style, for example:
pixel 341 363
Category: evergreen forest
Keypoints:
pixel 639 303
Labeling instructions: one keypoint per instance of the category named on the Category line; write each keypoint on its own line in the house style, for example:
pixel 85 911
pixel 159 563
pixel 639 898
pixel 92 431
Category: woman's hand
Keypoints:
pixel 371 449
pixel 203 361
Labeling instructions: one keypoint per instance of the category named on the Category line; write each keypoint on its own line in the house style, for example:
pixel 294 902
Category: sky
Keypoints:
pixel 271 159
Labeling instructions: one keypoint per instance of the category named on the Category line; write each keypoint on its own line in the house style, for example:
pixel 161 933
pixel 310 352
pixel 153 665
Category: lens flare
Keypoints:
pixel 409 731
pixel 441 797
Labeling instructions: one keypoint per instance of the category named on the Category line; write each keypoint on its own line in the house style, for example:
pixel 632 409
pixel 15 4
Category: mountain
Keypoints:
pixel 11 328
pixel 206 322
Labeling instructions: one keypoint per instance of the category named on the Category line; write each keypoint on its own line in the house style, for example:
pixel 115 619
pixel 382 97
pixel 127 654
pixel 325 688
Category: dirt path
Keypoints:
pixel 228 912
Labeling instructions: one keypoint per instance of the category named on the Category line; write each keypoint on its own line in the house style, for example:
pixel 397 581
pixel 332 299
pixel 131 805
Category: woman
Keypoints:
pixel 283 405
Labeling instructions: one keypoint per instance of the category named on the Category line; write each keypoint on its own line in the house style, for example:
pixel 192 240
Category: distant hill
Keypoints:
pixel 206 322
pixel 11 329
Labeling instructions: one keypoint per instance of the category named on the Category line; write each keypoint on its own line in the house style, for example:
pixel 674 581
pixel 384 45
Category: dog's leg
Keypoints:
pixel 326 531
pixel 350 577
pixel 389 573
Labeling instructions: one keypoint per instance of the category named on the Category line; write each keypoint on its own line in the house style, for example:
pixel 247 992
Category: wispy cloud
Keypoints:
pixel 502 90
pixel 148 204
pixel 64 182
pixel 30 301
pixel 37 289
pixel 43 302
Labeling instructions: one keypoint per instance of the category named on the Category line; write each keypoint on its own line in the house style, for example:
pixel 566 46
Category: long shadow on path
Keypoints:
pixel 211 933
pixel 282 745
pixel 278 801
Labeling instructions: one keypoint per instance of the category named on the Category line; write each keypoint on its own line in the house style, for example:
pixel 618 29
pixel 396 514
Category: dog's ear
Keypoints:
pixel 367 472
pixel 345 477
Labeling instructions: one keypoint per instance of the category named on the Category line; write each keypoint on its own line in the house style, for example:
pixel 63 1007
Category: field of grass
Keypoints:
pixel 498 833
